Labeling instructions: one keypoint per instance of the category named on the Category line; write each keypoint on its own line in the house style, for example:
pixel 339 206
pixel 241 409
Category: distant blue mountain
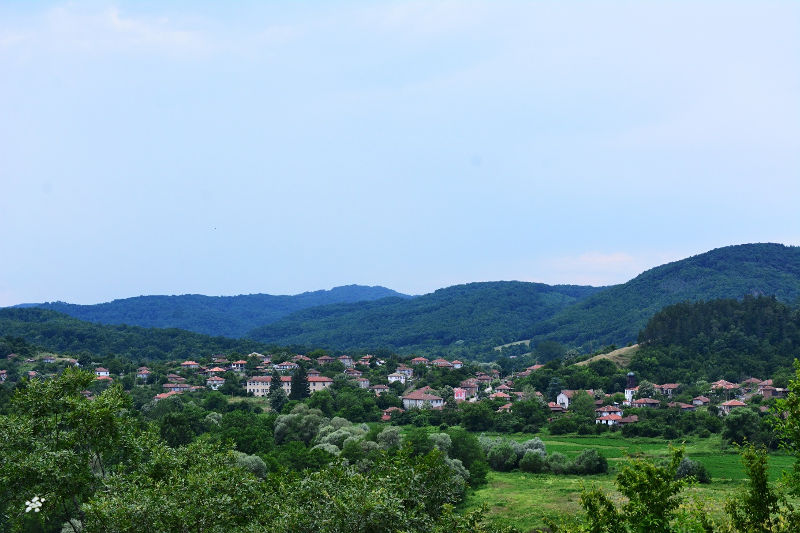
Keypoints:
pixel 228 316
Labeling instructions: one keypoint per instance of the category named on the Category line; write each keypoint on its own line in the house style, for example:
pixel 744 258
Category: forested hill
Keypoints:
pixel 473 315
pixel 58 332
pixel 615 315
pixel 229 316
pixel 720 339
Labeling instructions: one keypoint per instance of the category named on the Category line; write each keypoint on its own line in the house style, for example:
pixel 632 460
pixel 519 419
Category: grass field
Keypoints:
pixel 526 500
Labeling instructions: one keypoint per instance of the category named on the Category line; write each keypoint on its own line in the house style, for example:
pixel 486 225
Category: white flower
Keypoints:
pixel 34 505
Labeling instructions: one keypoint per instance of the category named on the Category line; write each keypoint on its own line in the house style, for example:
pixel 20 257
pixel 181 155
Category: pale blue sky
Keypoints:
pixel 199 147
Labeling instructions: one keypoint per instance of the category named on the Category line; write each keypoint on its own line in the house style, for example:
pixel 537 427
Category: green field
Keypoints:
pixel 526 500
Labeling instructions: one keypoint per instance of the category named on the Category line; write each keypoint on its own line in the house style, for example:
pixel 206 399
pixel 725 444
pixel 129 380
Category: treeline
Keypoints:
pixel 61 333
pixel 228 316
pixel 719 339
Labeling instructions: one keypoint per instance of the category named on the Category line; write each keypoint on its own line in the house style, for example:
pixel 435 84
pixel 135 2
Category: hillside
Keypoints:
pixel 726 338
pixel 61 333
pixel 615 315
pixel 475 315
pixel 229 316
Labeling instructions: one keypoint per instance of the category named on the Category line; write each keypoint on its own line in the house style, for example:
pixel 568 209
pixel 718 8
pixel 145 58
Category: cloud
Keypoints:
pixel 602 268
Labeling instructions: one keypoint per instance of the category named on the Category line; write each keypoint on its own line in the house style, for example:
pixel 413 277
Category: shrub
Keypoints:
pixel 502 456
pixel 533 461
pixel 589 462
pixel 695 469
pixel 557 463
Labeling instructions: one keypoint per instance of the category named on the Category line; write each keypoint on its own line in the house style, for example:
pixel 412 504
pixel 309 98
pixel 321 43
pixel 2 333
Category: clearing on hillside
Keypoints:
pixel 620 357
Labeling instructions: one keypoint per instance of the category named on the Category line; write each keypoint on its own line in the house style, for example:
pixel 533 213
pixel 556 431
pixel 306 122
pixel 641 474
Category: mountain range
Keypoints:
pixel 467 319
pixel 227 316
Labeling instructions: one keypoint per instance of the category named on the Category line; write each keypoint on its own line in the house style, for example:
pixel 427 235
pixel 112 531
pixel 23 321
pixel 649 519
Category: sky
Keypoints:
pixel 279 147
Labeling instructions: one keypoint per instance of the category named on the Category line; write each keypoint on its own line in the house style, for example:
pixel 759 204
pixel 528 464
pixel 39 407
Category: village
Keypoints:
pixel 253 375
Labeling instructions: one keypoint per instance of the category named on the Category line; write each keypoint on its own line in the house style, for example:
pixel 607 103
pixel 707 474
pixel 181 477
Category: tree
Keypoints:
pixel 760 508
pixel 60 446
pixel 787 425
pixel 300 388
pixel 554 389
pixel 276 396
pixel 653 497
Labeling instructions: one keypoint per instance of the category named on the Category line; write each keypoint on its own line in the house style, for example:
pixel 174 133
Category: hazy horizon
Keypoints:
pixel 201 148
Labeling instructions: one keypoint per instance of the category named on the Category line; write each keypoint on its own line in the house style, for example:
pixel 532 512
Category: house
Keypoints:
pixel 631 419
pixel 565 396
pixel 666 389
pixel 175 378
pixel 299 357
pixel 555 408
pixel 387 413
pixel 48 359
pixel 534 368
pixel 504 408
pixel 419 361
pixel 682 406
pixel 457 364
pixel 3 375
pixel 609 419
pixel 379 389
pixel 421 398
pixel 365 360
pixel 259 385
pixel 470 386
pixel 700 400
pixel 176 387
pixel 239 366
pixel 352 373
pixel 220 360
pixel 751 383
pixel 772 392
pixel 101 372
pixel 318 383
pixel 215 382
pixel 724 385
pixel 441 363
pixel 407 371
pixel 363 383
pixel 630 392
pixel 726 407
pixel 397 376
pixel 608 410
pixel 646 402
pixel 143 373
pixel 346 360
pixel 325 359
pixel 33 373
pixel 460 394
pixel 503 388
pixel 499 396
pixel 286 366
pixel 313 372
pixel 216 370
pixel 190 365
pixel 164 395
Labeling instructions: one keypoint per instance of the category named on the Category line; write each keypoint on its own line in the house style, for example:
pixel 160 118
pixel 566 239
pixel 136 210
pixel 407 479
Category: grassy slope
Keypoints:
pixel 620 357
pixel 526 500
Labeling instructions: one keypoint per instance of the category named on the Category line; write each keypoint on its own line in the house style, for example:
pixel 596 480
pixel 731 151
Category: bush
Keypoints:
pixel 533 461
pixel 557 463
pixel 589 462
pixel 502 456
pixel 695 469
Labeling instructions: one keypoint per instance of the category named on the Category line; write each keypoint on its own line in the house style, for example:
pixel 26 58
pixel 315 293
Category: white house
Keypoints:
pixel 420 397
pixel 317 383
pixel 100 371
pixel 215 382
pixel 397 376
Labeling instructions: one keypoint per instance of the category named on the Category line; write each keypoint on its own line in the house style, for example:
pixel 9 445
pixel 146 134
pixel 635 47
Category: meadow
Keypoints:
pixel 525 500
